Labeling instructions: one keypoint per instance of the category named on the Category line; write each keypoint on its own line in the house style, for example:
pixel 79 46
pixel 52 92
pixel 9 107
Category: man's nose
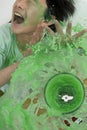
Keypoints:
pixel 21 4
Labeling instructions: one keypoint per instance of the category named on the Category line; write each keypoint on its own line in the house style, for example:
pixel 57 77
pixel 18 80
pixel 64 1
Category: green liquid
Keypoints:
pixel 48 79
pixel 64 84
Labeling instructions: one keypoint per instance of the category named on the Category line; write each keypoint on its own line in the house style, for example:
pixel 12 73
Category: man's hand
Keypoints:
pixel 6 73
pixel 27 52
pixel 67 36
pixel 37 35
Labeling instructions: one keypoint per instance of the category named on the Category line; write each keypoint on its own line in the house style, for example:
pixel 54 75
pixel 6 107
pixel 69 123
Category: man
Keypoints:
pixel 29 18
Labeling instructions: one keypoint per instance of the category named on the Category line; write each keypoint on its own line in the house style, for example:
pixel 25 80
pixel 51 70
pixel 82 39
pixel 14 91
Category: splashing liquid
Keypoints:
pixel 48 91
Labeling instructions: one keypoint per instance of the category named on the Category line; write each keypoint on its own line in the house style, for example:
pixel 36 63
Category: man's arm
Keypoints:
pixel 5 74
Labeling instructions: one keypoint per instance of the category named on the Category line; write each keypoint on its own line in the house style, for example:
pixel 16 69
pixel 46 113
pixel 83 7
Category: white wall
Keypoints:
pixel 5 10
pixel 81 12
pixel 80 15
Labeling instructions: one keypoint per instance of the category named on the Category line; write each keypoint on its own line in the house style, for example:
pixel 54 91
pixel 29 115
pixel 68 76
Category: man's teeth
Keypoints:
pixel 17 14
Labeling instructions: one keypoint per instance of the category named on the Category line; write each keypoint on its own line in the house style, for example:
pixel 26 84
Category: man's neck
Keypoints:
pixel 23 41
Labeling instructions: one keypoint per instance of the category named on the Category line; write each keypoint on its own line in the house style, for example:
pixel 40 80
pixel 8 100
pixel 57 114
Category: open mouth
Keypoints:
pixel 18 18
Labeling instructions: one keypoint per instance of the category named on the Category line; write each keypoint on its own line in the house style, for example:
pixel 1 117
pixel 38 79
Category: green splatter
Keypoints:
pixel 29 83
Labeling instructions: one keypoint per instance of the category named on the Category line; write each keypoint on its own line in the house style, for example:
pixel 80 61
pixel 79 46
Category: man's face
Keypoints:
pixel 26 15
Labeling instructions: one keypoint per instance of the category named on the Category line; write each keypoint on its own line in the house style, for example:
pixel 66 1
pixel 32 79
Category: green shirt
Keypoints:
pixel 9 52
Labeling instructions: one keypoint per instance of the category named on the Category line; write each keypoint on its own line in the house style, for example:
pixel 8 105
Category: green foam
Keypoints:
pixel 24 105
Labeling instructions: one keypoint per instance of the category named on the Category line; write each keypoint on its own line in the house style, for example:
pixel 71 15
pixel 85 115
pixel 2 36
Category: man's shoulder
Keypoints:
pixel 5 28
pixel 5 35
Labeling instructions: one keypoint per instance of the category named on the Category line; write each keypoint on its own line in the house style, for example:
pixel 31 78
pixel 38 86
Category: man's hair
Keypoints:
pixel 61 9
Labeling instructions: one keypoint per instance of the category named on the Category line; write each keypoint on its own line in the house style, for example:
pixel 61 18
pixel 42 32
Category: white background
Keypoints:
pixel 5 10
pixel 81 12
pixel 80 15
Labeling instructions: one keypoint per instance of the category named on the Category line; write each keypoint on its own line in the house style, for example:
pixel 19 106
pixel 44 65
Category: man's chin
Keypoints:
pixel 15 28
